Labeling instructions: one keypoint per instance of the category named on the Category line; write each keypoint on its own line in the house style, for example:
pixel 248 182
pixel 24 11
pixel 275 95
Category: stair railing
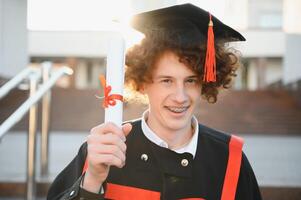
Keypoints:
pixel 36 93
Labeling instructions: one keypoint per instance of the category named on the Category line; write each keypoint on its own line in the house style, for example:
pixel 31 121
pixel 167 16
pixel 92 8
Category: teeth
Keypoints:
pixel 177 109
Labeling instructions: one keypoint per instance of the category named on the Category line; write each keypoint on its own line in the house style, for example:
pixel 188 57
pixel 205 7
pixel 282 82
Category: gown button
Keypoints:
pixel 144 157
pixel 184 162
pixel 71 193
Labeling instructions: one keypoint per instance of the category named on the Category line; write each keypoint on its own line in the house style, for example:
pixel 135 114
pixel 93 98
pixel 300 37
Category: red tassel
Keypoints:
pixel 210 63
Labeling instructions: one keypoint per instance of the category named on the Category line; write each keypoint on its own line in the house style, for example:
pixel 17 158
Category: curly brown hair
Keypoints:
pixel 140 60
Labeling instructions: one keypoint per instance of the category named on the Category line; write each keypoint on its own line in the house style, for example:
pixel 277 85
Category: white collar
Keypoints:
pixel 190 147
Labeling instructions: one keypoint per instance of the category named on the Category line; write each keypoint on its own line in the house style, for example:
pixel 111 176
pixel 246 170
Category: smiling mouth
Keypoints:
pixel 175 109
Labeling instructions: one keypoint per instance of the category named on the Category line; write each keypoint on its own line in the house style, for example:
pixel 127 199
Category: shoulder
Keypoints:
pixel 218 142
pixel 216 136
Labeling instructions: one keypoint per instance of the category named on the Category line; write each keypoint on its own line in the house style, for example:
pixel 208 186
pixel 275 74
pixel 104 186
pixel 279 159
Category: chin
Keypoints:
pixel 178 124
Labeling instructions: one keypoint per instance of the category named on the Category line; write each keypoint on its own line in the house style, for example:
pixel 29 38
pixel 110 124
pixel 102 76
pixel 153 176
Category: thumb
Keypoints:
pixel 126 128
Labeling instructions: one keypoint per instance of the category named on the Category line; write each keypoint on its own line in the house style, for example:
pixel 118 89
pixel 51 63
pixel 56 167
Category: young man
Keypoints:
pixel 167 154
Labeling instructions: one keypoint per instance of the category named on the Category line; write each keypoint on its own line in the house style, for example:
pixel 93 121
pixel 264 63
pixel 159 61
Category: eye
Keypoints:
pixel 192 81
pixel 166 81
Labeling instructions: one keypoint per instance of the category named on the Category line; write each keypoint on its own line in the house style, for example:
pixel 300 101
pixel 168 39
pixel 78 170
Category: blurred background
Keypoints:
pixel 45 36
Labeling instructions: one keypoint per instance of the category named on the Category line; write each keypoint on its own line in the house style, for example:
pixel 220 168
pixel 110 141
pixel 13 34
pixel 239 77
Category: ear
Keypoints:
pixel 142 89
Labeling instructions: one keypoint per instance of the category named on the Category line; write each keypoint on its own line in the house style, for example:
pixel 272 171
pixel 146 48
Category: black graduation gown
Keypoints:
pixel 163 173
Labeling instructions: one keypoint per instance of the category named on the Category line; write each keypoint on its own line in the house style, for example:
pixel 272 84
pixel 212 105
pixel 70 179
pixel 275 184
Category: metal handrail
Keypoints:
pixel 46 102
pixel 31 143
pixel 11 84
pixel 31 105
pixel 24 108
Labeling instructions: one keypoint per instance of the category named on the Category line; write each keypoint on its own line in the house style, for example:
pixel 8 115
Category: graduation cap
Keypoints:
pixel 193 25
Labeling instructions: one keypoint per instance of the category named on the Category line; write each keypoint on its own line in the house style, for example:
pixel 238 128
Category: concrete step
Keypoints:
pixel 280 193
pixel 18 190
pixel 14 191
pixel 20 198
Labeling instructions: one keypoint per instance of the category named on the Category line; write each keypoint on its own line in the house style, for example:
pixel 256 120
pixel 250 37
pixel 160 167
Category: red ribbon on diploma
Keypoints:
pixel 109 99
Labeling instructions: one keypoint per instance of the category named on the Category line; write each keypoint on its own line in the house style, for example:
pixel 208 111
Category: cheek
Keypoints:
pixel 158 93
pixel 159 101
pixel 159 98
pixel 195 94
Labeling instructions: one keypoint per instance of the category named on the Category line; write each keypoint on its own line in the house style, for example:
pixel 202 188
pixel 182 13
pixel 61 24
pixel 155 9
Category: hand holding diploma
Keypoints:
pixel 106 147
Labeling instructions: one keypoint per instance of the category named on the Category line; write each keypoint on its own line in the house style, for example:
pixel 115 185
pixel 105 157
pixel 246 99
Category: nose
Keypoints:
pixel 180 95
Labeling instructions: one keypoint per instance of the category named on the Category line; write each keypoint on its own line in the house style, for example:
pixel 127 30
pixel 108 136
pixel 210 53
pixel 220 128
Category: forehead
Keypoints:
pixel 168 63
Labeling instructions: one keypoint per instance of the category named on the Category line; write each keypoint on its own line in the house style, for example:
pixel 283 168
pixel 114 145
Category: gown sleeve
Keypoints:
pixel 67 184
pixel 247 188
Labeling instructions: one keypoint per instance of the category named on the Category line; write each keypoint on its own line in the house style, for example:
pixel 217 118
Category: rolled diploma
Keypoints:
pixel 115 76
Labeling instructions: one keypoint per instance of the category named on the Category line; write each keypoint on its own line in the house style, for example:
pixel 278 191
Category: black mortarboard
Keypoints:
pixel 193 24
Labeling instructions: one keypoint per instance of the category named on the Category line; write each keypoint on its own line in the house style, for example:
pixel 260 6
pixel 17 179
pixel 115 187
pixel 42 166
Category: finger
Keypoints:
pixel 108 128
pixel 108 149
pixel 126 128
pixel 108 159
pixel 107 139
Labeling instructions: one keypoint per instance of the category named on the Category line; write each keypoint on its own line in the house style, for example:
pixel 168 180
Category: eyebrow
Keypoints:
pixel 167 76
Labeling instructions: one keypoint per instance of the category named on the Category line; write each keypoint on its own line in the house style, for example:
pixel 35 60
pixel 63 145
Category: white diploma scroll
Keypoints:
pixel 115 77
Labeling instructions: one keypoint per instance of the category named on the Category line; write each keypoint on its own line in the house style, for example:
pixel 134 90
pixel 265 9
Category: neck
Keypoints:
pixel 174 138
